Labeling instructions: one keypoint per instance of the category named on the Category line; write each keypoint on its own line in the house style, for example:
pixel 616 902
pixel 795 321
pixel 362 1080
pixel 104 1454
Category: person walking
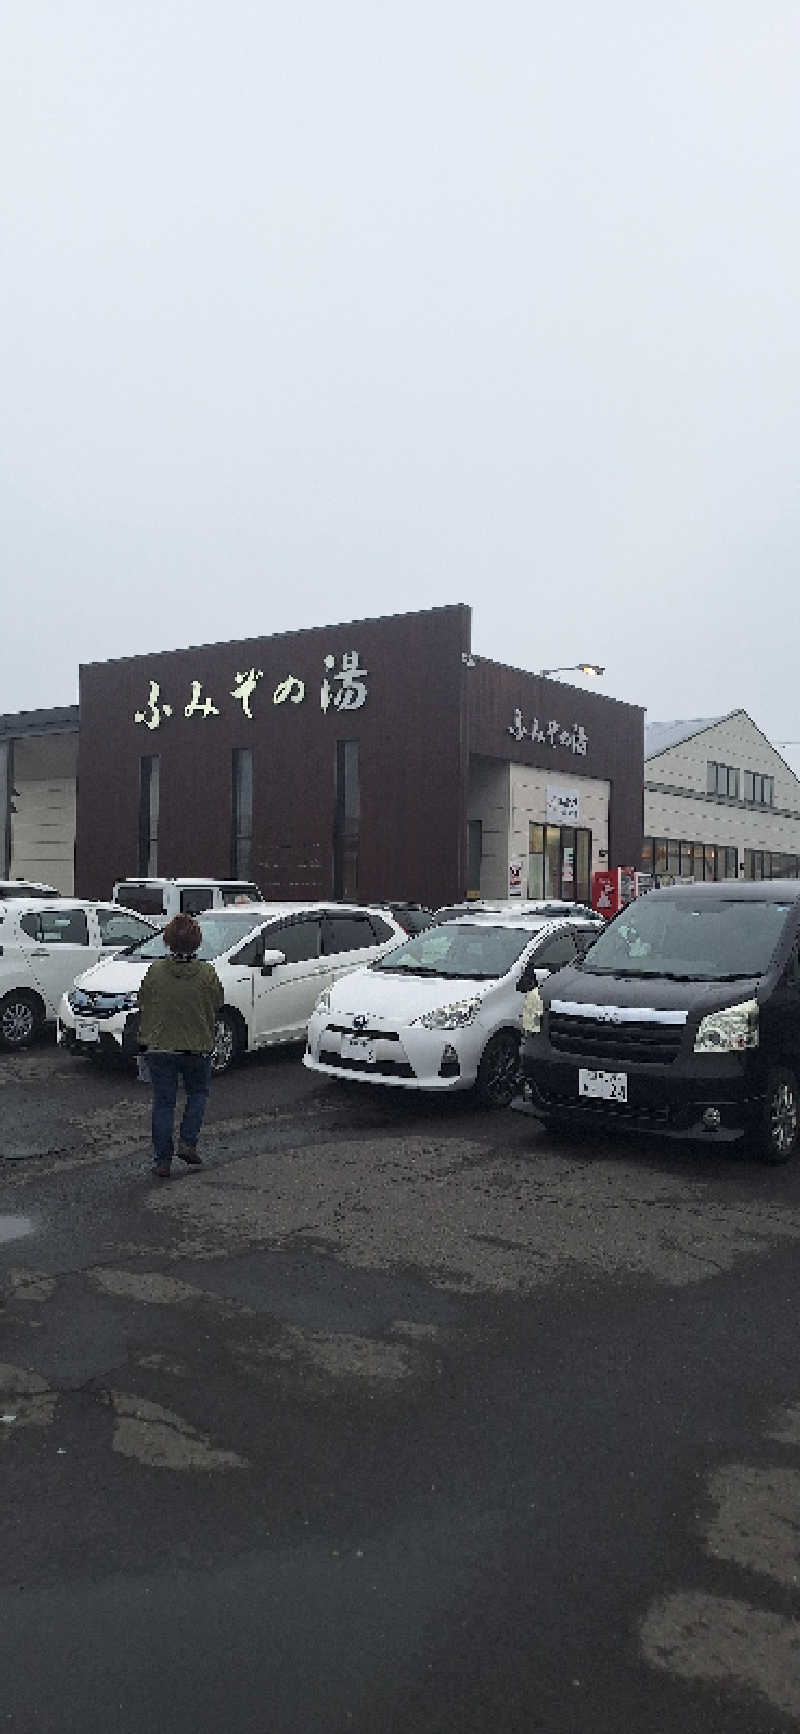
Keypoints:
pixel 178 1000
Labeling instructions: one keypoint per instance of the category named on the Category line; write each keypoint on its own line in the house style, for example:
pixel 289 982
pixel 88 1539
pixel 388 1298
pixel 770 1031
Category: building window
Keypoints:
pixel 722 779
pixel 242 813
pixel 346 820
pixel 669 859
pixel 758 790
pixel 784 866
pixel 148 813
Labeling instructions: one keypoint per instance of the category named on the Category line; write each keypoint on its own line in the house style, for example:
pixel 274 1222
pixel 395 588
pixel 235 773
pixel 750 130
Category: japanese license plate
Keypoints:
pixel 86 1030
pixel 609 1086
pixel 359 1049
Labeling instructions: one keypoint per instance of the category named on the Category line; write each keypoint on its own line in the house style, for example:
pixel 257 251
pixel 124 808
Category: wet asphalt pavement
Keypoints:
pixel 398 1417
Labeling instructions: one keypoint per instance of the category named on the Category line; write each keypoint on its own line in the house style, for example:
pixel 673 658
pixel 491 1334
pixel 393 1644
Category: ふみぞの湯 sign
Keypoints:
pixel 341 689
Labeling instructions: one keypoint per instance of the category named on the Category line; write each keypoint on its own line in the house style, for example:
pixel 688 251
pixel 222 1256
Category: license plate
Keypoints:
pixel 86 1031
pixel 359 1049
pixel 608 1086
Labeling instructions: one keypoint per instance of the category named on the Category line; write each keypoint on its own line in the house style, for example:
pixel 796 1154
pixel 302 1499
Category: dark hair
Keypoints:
pixel 183 935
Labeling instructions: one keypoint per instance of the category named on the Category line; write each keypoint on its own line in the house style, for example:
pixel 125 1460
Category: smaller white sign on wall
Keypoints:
pixel 562 807
pixel 515 866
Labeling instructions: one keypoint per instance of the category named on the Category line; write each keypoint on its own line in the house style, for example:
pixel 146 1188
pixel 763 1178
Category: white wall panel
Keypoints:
pixel 735 741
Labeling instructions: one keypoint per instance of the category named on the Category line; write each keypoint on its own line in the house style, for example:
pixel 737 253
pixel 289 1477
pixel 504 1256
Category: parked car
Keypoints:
pixel 553 908
pixel 273 962
pixel 160 899
pixel 443 1011
pixel 44 944
pixel 11 889
pixel 683 1017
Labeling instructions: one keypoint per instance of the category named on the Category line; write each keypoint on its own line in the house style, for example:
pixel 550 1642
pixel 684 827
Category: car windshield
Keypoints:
pixel 477 952
pixel 219 934
pixel 690 939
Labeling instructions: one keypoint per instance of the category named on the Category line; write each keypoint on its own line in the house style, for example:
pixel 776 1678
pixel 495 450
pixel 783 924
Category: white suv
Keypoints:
pixel 273 960
pixel 44 944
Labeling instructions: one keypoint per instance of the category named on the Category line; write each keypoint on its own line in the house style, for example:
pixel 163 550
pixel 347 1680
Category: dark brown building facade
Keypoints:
pixel 377 759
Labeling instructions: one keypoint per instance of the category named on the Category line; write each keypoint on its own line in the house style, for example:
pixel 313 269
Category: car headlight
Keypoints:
pixel 324 1002
pixel 126 1001
pixel 451 1017
pixel 728 1031
pixel 77 999
pixel 532 1012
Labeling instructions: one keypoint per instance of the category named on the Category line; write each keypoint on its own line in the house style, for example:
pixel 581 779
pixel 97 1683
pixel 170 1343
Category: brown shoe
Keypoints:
pixel 187 1154
pixel 161 1170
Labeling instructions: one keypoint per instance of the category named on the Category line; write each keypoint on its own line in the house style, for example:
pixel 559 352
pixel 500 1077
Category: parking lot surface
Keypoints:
pixel 398 1416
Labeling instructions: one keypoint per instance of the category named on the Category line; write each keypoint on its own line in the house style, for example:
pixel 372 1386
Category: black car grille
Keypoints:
pixel 368 1035
pixel 626 1043
pixel 383 1068
pixel 98 1005
pixel 585 1109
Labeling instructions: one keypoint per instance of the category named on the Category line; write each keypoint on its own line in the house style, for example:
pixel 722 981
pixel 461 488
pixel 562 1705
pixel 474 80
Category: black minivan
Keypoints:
pixel 682 1018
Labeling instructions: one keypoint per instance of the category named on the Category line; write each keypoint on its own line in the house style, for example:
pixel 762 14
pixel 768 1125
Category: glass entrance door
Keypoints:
pixel 559 862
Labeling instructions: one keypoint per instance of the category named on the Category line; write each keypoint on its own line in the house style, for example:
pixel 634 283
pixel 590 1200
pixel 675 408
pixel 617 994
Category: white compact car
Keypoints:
pixel 444 1011
pixel 44 944
pixel 273 961
pixel 555 908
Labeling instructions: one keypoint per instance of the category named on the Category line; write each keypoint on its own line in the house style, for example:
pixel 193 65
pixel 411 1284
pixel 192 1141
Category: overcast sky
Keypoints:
pixel 321 311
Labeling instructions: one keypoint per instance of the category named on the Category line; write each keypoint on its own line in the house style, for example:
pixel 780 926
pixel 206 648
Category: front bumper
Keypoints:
pixel 407 1057
pixel 676 1101
pixel 116 1036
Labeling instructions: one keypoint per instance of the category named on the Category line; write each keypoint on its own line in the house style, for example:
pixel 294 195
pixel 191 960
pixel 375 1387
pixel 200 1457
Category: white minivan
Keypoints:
pixel 44 944
pixel 160 899
pixel 273 960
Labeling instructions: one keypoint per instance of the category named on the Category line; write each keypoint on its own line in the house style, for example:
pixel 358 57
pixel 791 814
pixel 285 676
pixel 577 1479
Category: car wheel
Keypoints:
pixel 20 1018
pixel 498 1070
pixel 227 1043
pixel 780 1117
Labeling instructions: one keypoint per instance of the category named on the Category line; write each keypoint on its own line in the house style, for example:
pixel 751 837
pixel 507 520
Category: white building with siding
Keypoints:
pixel 38 779
pixel 719 802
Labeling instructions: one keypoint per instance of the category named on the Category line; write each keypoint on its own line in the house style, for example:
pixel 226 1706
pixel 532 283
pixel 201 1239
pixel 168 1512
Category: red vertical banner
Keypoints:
pixel 605 892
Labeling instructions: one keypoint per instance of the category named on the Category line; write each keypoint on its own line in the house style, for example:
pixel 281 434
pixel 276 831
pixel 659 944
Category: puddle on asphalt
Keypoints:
pixel 14 1227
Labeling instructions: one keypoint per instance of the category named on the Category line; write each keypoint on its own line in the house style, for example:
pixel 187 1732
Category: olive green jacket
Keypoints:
pixel 177 1002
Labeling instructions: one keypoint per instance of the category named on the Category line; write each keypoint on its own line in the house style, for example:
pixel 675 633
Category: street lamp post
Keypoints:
pixel 575 668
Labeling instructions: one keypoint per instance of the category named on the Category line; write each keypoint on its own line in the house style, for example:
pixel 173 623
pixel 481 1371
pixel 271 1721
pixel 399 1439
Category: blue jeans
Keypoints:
pixel 165 1070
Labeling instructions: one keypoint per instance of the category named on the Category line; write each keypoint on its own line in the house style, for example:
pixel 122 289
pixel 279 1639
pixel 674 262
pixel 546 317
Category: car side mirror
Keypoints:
pixel 270 961
pixel 531 977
